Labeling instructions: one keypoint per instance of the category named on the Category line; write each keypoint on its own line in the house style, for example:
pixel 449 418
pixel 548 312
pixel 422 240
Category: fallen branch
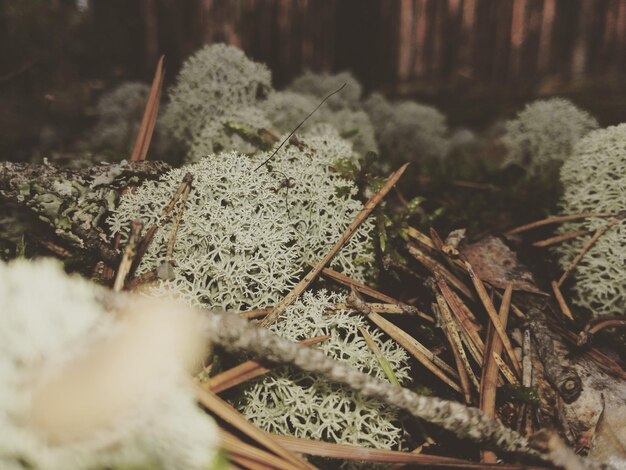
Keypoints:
pixel 236 335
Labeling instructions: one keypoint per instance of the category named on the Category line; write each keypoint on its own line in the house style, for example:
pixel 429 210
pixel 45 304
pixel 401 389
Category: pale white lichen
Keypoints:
pixel 320 85
pixel 248 232
pixel 235 249
pixel 51 323
pixel 321 203
pixel 406 130
pixel 545 131
pixel 214 81
pixel 594 180
pixel 218 135
pixel 293 403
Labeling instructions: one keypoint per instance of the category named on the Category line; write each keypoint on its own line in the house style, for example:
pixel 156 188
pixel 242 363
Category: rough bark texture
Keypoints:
pixel 73 203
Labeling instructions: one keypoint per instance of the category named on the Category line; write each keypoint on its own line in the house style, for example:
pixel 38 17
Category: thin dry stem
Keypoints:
pixel 561 300
pixel 230 415
pixel 351 452
pixel 493 315
pixel 249 455
pixel 556 220
pixel 148 121
pixel 489 378
pixel 561 238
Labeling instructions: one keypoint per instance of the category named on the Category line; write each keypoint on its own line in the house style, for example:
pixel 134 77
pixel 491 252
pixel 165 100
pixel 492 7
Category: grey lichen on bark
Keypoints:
pixel 74 202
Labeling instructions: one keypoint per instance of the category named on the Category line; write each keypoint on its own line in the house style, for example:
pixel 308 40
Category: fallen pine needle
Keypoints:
pixel 451 330
pixel 352 452
pixel 561 238
pixel 561 300
pixel 493 315
pixel 489 377
pixel 363 214
pixel 414 347
pixel 556 220
pixel 230 415
pixel 437 269
pixel 470 332
pixel 148 121
pixel 392 305
pixel 248 455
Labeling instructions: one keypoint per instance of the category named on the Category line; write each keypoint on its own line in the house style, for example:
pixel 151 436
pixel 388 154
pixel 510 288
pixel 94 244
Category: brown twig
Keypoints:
pixel 561 238
pixel 489 377
pixel 351 452
pixel 148 121
pixel 166 214
pixel 129 254
pixel 363 214
pixel 230 415
pixel 438 269
pixel 585 248
pixel 250 456
pixel 563 307
pixel 414 347
pixel 493 315
pixel 556 220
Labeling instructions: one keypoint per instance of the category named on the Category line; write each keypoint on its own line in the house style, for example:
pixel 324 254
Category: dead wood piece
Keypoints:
pixel 564 380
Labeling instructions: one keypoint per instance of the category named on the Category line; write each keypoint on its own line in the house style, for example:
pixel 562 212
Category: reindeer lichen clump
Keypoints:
pixel 213 82
pixel 406 130
pixel 249 229
pixel 545 131
pixel 305 405
pixel 594 181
